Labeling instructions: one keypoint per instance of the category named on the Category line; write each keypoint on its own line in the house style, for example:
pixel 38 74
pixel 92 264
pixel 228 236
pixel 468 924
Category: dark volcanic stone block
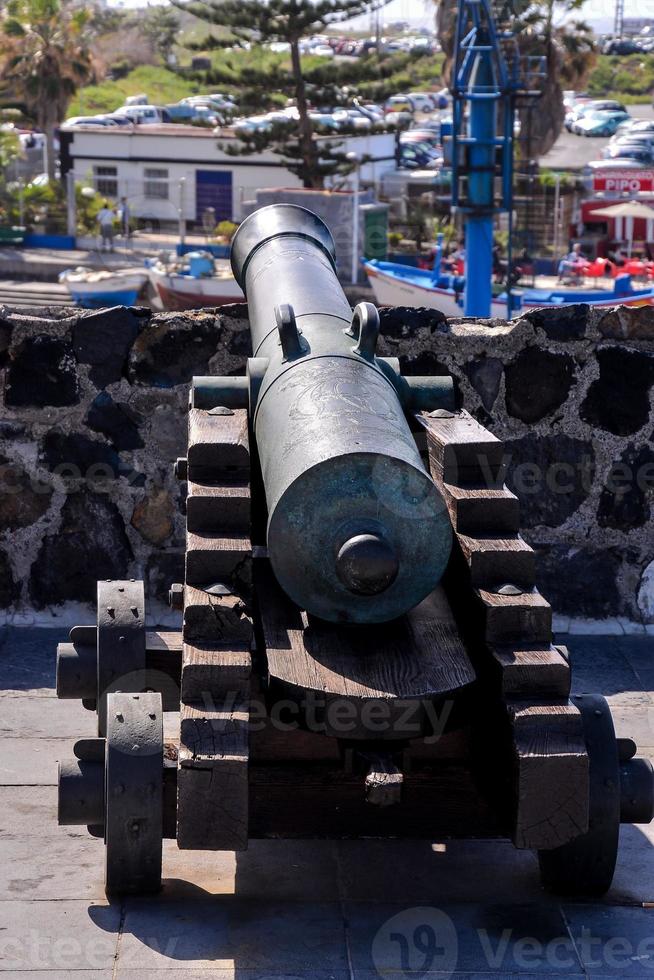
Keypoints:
pixel 563 323
pixel 624 502
pixel 537 383
pixel 551 476
pixel 174 347
pixel 41 372
pixel 628 323
pixel 76 457
pixel 404 321
pixel 103 339
pixel 619 400
pixel 485 375
pixel 23 499
pixel 9 589
pixel 579 581
pixel 91 544
pixel 116 421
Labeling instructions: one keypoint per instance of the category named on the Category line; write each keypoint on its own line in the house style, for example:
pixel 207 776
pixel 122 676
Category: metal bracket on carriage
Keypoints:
pixel 118 654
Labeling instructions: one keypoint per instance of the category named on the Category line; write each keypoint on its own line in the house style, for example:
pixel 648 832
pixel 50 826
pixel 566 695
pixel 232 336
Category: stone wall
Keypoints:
pixel 94 410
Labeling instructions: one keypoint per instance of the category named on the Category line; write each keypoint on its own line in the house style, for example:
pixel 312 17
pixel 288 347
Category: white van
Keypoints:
pixel 144 115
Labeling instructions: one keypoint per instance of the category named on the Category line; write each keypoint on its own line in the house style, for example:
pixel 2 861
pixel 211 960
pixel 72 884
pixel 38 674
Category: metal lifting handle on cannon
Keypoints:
pixel 350 545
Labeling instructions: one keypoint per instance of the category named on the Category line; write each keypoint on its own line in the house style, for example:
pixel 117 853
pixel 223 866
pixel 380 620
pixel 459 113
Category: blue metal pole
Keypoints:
pixel 479 220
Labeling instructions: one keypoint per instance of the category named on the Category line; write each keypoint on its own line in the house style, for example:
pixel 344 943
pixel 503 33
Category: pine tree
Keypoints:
pixel 256 24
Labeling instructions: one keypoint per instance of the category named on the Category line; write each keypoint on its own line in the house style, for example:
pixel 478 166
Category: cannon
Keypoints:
pixel 363 650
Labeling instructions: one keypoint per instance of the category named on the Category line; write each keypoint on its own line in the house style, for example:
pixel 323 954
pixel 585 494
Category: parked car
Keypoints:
pixel 603 123
pixel 220 104
pixel 585 108
pixel 119 119
pixel 145 115
pixel 630 139
pixel 638 153
pixel 423 101
pixel 414 156
pixel 399 103
pixel 79 122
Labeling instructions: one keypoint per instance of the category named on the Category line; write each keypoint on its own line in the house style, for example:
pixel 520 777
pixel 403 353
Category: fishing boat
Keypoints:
pixel 395 284
pixel 92 288
pixel 193 281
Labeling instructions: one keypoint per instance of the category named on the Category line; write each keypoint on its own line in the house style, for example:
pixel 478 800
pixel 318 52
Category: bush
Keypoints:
pixel 225 230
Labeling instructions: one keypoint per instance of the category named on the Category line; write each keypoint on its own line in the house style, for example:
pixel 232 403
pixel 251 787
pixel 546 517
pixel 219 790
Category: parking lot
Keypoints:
pixel 571 152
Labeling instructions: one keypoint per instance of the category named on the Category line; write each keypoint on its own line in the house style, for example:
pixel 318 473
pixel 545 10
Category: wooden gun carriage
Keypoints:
pixel 363 649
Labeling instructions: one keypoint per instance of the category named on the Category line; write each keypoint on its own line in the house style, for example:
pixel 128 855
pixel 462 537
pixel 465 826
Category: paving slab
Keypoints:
pixel 31 761
pixel 231 973
pixel 28 659
pixel 27 716
pixel 483 938
pixel 58 974
pixel 58 935
pixel 616 942
pixel 422 872
pixel 226 932
pixel 421 975
pixel 52 868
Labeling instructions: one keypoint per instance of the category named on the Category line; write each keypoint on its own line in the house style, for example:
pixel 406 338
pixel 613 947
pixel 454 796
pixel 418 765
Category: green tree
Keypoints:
pixel 544 29
pixel 259 23
pixel 10 149
pixel 45 57
pixel 161 26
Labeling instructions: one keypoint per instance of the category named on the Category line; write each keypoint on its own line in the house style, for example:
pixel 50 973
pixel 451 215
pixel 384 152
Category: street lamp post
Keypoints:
pixel 355 159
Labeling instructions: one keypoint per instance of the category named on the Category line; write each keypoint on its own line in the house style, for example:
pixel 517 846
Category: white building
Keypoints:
pixel 173 172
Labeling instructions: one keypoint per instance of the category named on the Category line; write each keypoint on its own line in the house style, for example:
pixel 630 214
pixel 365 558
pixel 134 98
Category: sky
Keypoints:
pixel 421 12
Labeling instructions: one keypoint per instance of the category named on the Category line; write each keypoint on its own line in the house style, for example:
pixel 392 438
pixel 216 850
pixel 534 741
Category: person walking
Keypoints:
pixel 106 217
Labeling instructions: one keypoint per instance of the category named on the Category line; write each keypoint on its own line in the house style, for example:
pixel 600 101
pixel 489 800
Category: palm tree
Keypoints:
pixel 44 59
pixel 568 48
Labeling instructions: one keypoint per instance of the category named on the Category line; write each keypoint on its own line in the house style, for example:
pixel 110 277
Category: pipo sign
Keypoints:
pixel 621 181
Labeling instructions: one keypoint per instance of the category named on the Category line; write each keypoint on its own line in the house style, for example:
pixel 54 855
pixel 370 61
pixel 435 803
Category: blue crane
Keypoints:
pixel 489 76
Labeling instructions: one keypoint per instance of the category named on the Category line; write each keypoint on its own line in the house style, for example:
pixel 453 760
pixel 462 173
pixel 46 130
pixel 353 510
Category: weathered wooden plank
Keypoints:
pixel 212 778
pixel 322 801
pixel 478 509
pixel 210 507
pixel 416 658
pixel 163 641
pixel 551 782
pixel 208 674
pixel 462 451
pixel 552 772
pixel 554 720
pixel 497 561
pixel 218 446
pixel 525 618
pixel 540 672
pixel 210 559
pixel 219 621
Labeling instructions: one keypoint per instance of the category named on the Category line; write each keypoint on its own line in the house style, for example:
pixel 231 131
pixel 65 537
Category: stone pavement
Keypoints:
pixel 352 910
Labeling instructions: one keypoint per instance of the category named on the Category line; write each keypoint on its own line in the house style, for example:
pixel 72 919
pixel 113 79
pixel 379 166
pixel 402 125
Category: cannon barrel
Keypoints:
pixel 357 531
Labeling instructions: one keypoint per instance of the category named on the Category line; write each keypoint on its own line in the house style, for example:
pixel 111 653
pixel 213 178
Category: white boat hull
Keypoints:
pixel 390 291
pixel 393 290
pixel 180 292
